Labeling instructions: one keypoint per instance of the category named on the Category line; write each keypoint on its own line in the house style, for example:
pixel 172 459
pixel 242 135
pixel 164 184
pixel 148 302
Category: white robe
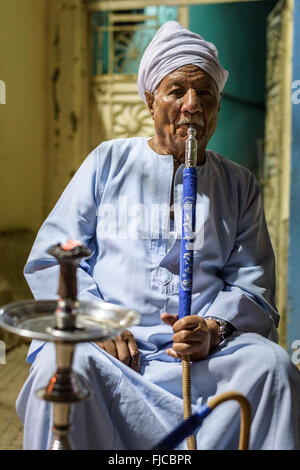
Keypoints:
pixel 117 204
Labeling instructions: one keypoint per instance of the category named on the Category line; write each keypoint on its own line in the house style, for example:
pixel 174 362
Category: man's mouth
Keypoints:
pixel 196 123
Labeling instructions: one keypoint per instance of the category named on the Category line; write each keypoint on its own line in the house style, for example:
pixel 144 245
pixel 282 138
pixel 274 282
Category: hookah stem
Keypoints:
pixel 186 260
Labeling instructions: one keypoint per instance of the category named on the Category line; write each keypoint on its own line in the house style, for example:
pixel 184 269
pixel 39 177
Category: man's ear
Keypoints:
pixel 150 100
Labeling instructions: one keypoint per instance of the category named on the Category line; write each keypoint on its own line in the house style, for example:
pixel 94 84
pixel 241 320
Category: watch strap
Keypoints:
pixel 226 329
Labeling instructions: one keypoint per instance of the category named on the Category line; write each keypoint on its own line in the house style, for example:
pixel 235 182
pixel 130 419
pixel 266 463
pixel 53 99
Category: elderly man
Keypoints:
pixel 116 205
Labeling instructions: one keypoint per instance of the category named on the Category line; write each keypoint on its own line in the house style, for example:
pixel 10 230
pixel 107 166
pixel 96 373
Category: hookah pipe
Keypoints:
pixel 65 386
pixel 186 260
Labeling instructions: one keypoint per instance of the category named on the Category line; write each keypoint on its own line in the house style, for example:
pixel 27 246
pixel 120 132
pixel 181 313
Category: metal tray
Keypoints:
pixel 95 321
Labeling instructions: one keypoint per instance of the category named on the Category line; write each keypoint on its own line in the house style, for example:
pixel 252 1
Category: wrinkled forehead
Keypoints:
pixel 180 75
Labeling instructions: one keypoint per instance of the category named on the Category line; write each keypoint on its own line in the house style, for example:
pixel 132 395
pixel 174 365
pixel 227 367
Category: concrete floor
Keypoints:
pixel 12 376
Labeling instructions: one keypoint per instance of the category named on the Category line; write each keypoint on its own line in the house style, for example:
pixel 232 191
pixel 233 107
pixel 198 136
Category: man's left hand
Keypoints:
pixel 193 335
pixel 124 348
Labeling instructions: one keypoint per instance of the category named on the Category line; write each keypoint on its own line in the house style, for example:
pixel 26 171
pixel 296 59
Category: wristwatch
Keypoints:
pixel 225 328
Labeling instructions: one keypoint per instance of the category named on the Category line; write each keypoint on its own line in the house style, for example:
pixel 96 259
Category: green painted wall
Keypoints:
pixel 239 32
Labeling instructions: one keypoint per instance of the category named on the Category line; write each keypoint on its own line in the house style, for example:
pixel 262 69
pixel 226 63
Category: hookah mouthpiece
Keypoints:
pixel 191 148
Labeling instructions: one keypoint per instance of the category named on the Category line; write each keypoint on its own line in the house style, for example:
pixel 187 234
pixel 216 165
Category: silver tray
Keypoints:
pixel 95 321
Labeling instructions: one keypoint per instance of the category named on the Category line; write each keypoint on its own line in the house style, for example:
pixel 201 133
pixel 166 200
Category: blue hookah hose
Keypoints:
pixel 187 241
pixel 194 422
pixel 189 200
pixel 185 429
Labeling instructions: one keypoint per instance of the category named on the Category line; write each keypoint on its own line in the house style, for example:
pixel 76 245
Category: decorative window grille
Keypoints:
pixel 119 38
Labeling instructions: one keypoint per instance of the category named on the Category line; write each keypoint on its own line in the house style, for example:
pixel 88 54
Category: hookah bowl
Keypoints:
pixel 66 322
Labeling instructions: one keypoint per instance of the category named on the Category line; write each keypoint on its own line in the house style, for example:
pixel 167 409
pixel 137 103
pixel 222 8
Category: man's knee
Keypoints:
pixel 270 358
pixel 259 357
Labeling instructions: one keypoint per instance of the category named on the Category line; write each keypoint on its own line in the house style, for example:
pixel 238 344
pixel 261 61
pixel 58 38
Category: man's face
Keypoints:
pixel 187 95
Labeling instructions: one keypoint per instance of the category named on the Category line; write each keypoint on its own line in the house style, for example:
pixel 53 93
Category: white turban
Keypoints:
pixel 172 47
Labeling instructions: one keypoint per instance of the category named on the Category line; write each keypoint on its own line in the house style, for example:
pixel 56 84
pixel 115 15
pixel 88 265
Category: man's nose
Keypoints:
pixel 191 102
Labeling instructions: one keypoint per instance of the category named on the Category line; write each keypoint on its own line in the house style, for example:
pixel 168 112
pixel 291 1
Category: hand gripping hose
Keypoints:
pixel 194 422
pixel 186 260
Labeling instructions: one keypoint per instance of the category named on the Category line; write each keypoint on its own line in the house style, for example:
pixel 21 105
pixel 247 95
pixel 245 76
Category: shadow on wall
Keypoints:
pixel 14 248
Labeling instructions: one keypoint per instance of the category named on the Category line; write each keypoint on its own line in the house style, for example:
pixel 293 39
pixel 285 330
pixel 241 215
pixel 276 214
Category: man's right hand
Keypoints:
pixel 124 348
